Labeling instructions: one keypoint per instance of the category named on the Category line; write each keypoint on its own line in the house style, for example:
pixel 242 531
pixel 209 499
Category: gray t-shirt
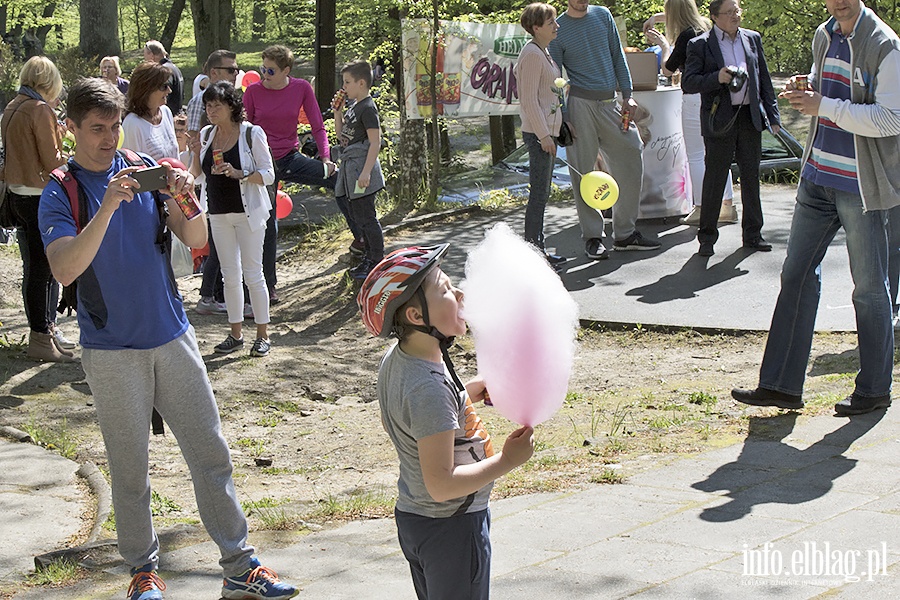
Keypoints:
pixel 418 399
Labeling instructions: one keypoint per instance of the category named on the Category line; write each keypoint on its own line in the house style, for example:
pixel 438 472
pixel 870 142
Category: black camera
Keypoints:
pixel 738 78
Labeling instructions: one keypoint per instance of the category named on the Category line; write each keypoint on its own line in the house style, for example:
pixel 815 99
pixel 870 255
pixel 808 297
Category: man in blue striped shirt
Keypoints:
pixel 850 179
pixel 587 46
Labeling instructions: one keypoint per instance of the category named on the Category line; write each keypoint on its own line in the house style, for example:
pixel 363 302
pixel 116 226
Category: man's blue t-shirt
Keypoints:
pixel 127 297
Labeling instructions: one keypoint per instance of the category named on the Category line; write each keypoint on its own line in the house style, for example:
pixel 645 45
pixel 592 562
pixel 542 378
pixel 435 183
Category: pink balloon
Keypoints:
pixel 523 322
pixel 283 204
pixel 250 77
pixel 172 162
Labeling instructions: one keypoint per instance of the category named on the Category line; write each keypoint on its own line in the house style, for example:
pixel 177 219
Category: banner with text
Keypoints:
pixel 474 66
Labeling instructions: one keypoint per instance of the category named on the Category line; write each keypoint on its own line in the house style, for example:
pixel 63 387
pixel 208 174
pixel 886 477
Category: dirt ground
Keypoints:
pixel 305 432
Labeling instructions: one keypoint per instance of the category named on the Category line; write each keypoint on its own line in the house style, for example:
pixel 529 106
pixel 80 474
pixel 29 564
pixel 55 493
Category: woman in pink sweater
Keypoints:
pixel 540 101
pixel 274 104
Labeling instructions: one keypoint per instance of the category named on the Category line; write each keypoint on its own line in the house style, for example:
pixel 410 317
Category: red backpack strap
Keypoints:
pixel 63 176
pixel 132 158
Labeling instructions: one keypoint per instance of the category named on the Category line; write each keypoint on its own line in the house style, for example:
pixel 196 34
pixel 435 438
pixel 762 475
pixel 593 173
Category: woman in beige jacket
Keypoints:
pixel 32 142
pixel 540 102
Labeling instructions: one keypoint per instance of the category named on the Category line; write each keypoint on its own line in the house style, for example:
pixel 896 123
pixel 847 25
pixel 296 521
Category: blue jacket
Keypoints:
pixel 701 75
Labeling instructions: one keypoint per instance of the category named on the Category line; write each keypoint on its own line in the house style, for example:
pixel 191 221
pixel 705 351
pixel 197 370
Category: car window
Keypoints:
pixel 773 147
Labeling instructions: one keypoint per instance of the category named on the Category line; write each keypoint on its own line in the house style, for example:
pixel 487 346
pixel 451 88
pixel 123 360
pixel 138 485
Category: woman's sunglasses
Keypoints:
pixel 165 87
pixel 266 70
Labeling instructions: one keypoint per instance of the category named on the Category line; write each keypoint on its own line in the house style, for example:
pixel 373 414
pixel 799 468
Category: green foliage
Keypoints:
pixel 58 573
pixel 161 506
pixel 58 438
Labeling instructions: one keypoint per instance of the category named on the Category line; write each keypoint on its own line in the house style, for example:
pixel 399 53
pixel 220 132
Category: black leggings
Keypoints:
pixel 39 290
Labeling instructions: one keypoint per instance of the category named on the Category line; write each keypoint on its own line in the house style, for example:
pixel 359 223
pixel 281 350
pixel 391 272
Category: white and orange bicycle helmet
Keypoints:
pixel 393 282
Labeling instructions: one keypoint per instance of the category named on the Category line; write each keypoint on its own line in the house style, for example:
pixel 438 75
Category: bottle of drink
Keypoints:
pixel 452 80
pixel 626 119
pixel 423 76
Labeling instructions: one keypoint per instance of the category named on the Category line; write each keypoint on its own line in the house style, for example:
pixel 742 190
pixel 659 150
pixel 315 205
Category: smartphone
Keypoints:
pixel 151 178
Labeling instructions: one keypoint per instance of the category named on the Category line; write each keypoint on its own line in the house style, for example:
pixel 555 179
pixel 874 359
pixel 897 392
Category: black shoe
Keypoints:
pixel 595 249
pixel 361 271
pixel 555 259
pixel 860 405
pixel 635 241
pixel 763 397
pixel 758 244
pixel 706 249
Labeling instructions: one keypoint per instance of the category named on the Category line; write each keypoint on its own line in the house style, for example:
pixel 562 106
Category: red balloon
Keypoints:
pixel 283 204
pixel 173 162
pixel 249 77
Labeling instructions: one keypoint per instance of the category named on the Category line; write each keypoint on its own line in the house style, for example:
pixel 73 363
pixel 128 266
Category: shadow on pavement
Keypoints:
pixel 799 476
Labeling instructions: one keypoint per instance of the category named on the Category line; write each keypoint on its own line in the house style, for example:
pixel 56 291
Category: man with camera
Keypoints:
pixel 727 68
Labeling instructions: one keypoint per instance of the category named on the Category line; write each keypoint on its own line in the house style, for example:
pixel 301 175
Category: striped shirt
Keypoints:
pixel 832 160
pixel 591 53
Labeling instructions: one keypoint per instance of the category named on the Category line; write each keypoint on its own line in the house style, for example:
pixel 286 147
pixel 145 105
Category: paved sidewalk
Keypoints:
pixel 817 498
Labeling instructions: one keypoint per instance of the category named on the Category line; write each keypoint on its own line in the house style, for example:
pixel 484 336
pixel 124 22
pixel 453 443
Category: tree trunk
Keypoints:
pixel 99 28
pixel 259 20
pixel 326 51
pixel 168 34
pixel 212 26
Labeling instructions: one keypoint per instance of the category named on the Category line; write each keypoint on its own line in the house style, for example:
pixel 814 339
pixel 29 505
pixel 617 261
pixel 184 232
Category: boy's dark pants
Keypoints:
pixel 362 213
pixel 450 559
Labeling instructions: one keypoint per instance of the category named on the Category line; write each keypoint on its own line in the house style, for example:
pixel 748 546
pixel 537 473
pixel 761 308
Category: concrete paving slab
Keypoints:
pixel 40 505
pixel 712 585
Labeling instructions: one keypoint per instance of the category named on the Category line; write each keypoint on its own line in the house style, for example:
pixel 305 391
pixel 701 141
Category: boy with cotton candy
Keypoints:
pixel 447 461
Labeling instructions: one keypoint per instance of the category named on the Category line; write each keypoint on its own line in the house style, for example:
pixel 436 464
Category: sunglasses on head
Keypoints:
pixel 231 70
pixel 266 70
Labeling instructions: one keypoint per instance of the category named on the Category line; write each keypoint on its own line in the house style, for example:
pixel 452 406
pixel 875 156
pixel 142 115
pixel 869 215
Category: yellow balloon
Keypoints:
pixel 121 139
pixel 599 190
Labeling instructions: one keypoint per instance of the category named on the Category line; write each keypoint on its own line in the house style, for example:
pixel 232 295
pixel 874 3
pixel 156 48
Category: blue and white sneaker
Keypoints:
pixel 146 585
pixel 257 583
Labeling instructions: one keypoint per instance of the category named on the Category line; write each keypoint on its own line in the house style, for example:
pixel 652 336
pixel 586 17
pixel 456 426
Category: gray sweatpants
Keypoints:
pixel 127 385
pixel 598 127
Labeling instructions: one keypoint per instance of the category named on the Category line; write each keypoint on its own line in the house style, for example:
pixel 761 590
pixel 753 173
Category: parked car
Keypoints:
pixel 780 154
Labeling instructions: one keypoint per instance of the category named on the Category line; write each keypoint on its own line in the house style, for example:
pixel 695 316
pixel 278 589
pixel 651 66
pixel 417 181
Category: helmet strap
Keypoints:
pixel 443 341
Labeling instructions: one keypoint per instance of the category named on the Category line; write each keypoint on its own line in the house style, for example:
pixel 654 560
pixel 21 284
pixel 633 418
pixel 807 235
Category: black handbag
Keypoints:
pixel 7 218
pixel 565 137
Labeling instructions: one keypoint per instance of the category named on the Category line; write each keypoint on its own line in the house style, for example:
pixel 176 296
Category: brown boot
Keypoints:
pixel 42 346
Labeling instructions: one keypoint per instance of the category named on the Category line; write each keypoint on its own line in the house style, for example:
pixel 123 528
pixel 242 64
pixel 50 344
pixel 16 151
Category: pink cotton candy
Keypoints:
pixel 524 324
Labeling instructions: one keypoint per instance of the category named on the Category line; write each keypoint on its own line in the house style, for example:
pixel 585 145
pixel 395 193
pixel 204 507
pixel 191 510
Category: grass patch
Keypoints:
pixel 161 506
pixel 358 505
pixel 59 439
pixel 610 476
pixel 58 573
pixel 255 447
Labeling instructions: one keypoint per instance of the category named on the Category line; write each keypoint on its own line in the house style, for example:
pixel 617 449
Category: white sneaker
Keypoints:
pixel 61 339
pixel 692 218
pixel 728 214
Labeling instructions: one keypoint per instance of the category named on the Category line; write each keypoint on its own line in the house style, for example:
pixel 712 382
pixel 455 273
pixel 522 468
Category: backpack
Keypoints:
pixel 69 297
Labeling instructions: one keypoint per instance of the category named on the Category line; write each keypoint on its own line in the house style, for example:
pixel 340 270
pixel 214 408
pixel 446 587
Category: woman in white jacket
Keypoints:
pixel 236 166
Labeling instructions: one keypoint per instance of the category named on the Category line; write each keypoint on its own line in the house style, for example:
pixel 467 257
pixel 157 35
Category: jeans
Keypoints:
pixel 362 210
pixel 819 213
pixel 211 285
pixel 894 253
pixel 295 167
pixel 40 292
pixel 540 173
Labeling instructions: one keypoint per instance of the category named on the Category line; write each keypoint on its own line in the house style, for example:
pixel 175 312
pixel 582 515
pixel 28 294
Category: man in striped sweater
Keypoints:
pixel 587 46
pixel 850 179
